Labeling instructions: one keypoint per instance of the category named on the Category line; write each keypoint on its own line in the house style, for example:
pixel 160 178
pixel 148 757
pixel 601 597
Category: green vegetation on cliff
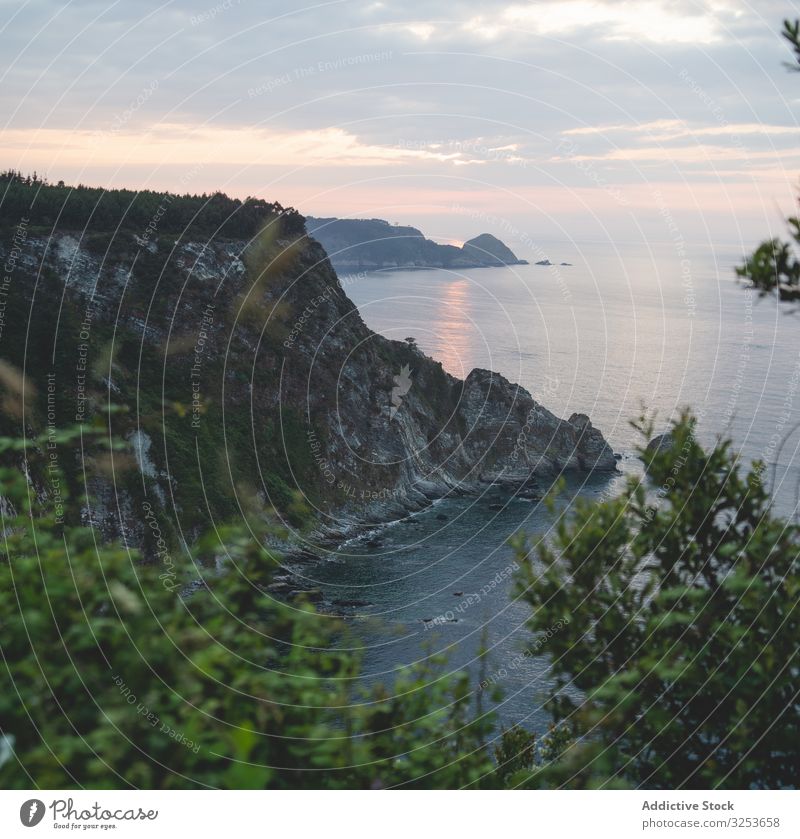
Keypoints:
pixel 111 211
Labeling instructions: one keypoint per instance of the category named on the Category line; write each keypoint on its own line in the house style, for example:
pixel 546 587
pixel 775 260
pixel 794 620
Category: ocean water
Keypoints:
pixel 620 330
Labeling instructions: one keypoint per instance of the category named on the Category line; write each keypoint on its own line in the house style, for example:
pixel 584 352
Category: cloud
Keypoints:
pixel 696 153
pixel 169 143
pixel 660 22
pixel 670 128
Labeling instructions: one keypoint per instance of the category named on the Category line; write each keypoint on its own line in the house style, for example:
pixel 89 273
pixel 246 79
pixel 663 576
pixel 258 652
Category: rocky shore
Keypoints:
pixel 251 380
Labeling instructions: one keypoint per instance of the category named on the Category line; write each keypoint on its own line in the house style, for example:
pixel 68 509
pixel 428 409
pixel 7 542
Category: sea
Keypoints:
pixel 618 331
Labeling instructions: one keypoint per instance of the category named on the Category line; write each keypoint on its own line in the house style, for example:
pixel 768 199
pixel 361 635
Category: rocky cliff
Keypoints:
pixel 248 381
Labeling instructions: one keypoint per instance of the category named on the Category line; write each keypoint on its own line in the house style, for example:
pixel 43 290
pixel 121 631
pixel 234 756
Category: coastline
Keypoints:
pixel 324 542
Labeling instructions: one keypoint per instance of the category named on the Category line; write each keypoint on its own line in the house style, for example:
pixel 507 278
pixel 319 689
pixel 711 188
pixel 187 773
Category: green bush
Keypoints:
pixel 114 674
pixel 676 663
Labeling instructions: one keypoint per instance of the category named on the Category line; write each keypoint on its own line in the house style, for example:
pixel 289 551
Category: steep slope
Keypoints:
pixel 249 381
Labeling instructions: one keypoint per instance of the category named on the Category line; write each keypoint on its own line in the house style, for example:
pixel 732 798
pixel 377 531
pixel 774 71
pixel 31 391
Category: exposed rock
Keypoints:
pixel 788 293
pixel 663 442
pixel 530 495
pixel 302 556
pixel 313 595
pixel 594 449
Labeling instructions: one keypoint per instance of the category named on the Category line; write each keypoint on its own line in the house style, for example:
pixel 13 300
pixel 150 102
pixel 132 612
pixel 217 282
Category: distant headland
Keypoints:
pixel 374 244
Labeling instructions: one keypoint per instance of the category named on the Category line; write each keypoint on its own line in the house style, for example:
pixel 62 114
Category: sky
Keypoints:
pixel 572 120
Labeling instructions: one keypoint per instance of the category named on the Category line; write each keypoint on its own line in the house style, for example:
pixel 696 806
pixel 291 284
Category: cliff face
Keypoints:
pixel 249 381
pixel 373 244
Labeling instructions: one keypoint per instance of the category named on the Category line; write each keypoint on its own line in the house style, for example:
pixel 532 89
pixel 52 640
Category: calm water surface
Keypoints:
pixel 620 329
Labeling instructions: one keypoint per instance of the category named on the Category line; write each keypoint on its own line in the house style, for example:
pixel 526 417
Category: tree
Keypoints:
pixel 774 267
pixel 677 661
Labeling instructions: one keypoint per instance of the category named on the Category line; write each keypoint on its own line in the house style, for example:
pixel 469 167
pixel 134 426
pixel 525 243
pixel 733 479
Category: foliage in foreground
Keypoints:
pixel 676 658
pixel 677 662
pixel 112 677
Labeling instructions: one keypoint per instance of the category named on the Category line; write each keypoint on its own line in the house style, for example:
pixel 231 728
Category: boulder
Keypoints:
pixel 662 442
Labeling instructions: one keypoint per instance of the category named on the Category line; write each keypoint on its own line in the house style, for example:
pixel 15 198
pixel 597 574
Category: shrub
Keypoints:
pixel 119 673
pixel 677 666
